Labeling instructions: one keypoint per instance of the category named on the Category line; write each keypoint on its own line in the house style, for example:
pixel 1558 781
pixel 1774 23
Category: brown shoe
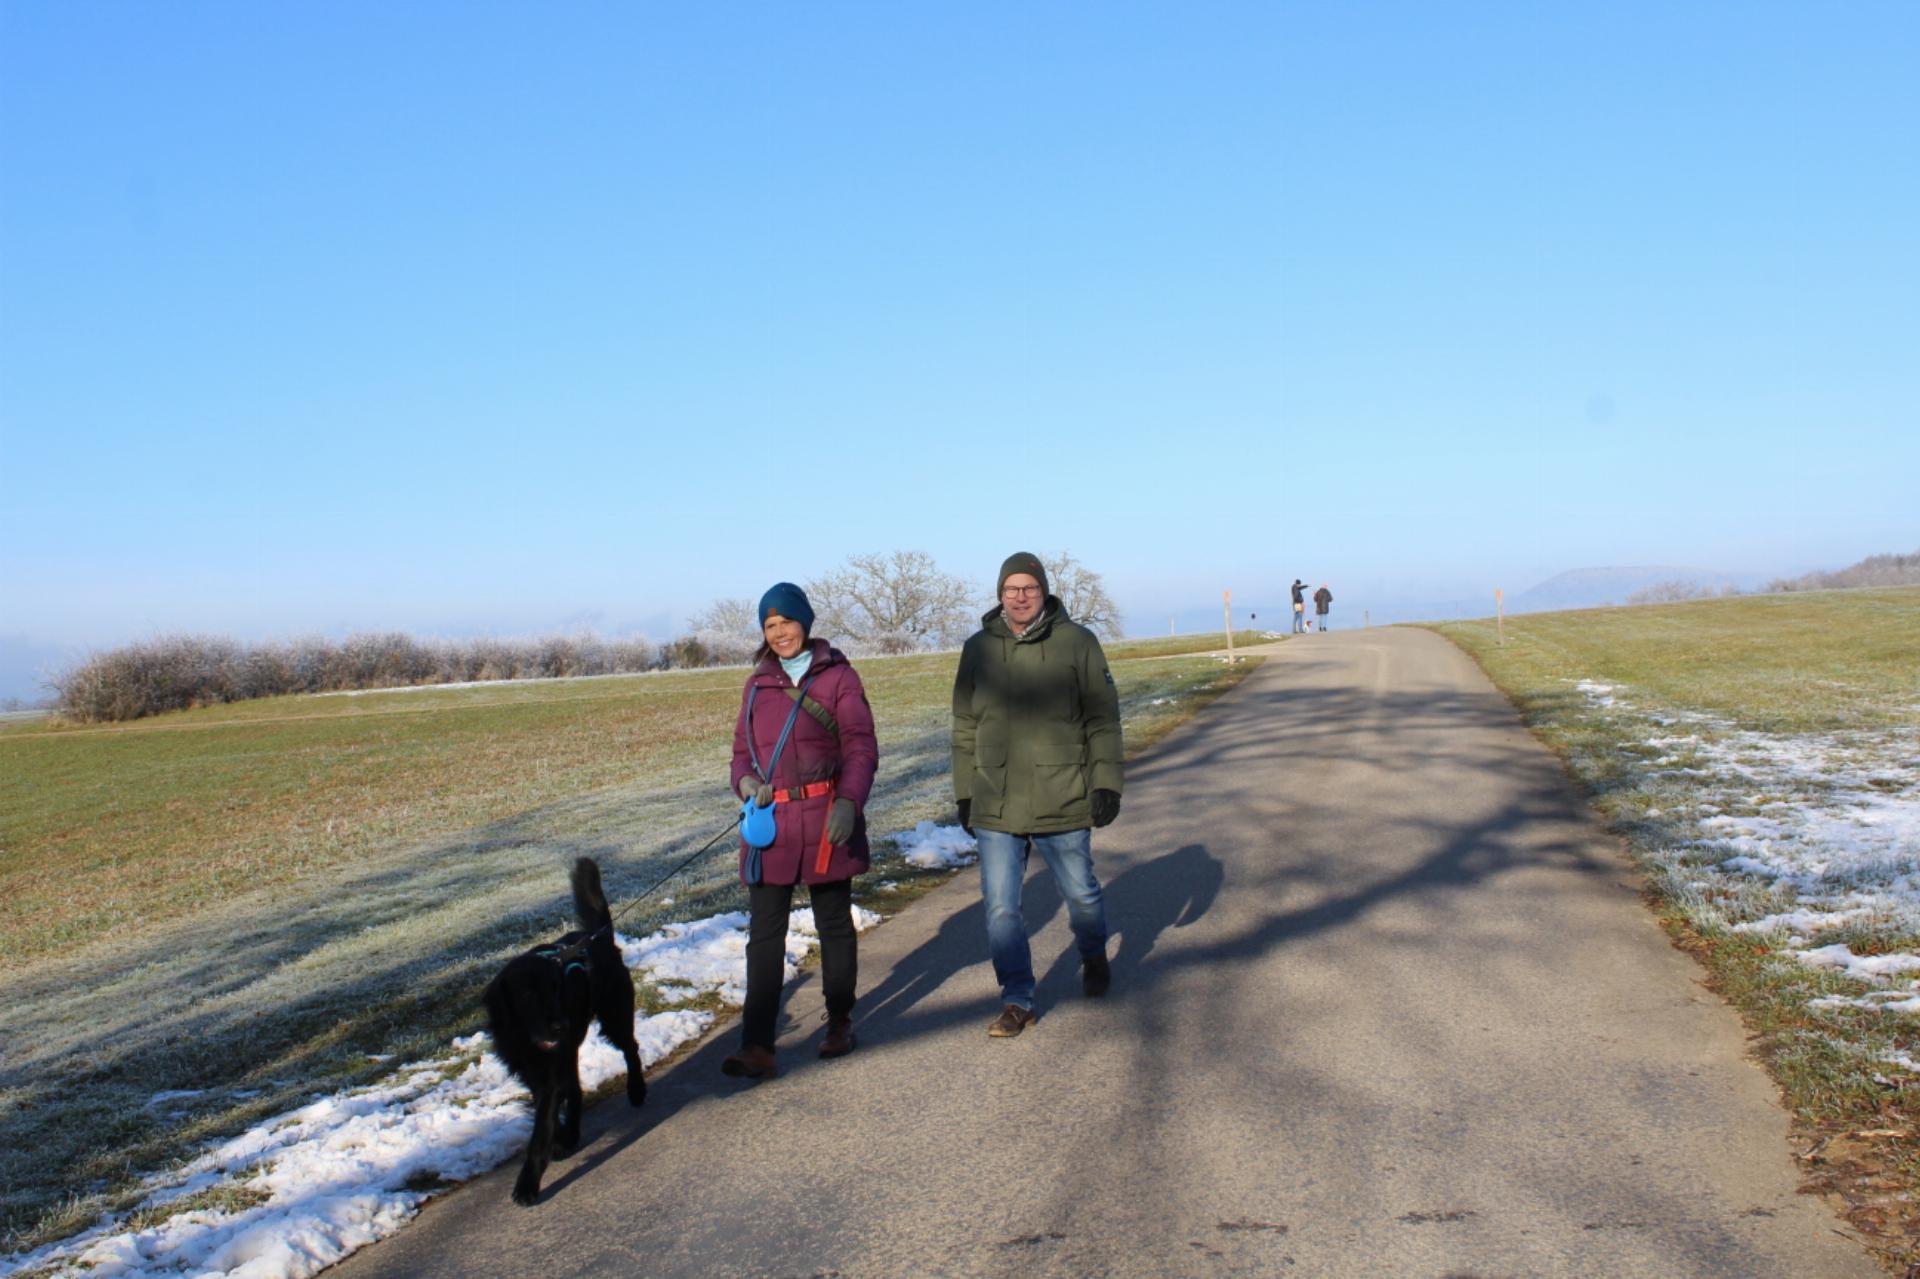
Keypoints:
pixel 1012 1020
pixel 752 1061
pixel 839 1040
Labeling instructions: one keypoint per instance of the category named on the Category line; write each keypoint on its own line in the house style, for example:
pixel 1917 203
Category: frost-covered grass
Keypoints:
pixel 1173 645
pixel 233 908
pixel 301 1189
pixel 1761 756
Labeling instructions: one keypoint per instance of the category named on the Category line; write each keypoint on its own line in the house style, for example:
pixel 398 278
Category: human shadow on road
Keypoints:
pixel 1171 891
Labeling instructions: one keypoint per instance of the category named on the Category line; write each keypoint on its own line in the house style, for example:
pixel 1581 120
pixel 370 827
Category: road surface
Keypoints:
pixel 1385 1002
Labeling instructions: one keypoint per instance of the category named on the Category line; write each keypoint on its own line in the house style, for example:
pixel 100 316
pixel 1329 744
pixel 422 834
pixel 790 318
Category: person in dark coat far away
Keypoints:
pixel 1036 766
pixel 1322 600
pixel 818 784
pixel 1299 607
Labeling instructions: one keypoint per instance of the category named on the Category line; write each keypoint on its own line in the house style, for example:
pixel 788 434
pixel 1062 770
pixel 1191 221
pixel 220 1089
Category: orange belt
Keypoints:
pixel 812 790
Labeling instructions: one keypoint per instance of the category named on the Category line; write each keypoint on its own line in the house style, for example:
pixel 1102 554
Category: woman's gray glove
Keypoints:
pixel 1106 806
pixel 840 820
pixel 753 788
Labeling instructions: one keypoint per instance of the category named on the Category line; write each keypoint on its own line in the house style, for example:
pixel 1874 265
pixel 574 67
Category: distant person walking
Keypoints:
pixel 803 743
pixel 1036 765
pixel 1322 601
pixel 1299 606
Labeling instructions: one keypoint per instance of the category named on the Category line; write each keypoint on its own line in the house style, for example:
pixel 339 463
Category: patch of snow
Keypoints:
pixel 160 1099
pixel 932 846
pixel 1597 694
pixel 1868 967
pixel 1804 921
pixel 1828 823
pixel 335 1173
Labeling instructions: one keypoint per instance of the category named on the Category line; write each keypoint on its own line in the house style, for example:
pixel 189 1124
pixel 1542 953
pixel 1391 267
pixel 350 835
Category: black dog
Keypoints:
pixel 538 1008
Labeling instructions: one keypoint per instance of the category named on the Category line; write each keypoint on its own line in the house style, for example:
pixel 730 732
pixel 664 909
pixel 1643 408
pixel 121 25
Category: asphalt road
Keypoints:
pixel 1386 1003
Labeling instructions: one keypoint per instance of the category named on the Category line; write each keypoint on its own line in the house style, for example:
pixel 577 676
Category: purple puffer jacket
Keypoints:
pixel 812 755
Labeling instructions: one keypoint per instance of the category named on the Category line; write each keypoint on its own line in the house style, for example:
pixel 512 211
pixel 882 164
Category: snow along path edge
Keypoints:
pixel 354 1166
pixel 1816 832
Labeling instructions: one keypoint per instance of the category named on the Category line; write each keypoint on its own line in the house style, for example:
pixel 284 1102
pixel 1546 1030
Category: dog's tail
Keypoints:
pixel 589 902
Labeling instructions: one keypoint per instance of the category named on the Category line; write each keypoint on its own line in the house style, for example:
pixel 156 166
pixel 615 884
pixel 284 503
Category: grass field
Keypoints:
pixel 1761 757
pixel 256 900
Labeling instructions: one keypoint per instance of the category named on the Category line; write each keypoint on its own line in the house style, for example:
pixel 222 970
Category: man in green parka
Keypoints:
pixel 1036 765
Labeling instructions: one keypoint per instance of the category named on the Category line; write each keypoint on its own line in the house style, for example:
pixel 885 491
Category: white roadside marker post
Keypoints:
pixel 1500 615
pixel 1226 608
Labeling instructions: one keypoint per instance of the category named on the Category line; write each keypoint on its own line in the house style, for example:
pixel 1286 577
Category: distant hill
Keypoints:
pixel 1875 570
pixel 1596 587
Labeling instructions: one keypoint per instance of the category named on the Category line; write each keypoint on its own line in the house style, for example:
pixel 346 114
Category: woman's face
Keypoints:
pixel 784 637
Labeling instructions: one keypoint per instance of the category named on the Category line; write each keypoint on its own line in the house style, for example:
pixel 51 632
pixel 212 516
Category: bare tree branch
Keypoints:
pixel 897 603
pixel 1083 594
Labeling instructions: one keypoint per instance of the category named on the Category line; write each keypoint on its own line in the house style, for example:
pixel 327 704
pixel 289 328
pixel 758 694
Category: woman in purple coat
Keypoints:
pixel 818 783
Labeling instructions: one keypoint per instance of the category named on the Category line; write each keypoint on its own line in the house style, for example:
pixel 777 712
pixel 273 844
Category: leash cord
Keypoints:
pixel 580 946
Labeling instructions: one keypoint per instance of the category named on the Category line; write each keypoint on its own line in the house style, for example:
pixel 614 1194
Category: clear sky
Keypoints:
pixel 458 317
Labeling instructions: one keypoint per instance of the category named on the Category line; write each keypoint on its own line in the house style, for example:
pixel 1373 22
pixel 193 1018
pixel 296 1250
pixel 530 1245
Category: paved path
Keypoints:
pixel 1386 1004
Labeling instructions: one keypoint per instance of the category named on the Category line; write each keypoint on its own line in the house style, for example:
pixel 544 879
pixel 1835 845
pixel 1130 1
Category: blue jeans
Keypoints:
pixel 1003 865
pixel 1299 621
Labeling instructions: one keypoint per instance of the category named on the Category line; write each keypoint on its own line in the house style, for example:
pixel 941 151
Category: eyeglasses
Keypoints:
pixel 1015 592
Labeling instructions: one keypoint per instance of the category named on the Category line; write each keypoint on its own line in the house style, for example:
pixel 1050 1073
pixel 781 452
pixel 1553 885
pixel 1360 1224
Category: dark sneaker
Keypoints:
pixel 839 1040
pixel 1096 975
pixel 752 1062
pixel 1012 1020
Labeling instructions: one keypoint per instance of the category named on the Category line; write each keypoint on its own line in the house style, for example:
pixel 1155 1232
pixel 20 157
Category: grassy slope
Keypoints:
pixel 1168 645
pixel 266 893
pixel 106 828
pixel 1845 663
pixel 103 828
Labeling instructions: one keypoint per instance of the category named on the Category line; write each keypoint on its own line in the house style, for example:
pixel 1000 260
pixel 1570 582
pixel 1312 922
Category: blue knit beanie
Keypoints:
pixel 790 602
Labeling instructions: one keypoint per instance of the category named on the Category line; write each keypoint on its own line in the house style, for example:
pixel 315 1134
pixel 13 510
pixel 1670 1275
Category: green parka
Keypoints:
pixel 1036 724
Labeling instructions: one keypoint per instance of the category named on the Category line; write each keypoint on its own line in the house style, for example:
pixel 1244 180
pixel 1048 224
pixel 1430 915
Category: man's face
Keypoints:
pixel 1022 598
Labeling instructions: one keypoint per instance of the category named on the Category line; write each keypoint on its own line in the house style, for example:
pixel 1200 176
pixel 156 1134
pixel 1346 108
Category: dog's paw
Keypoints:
pixel 526 1190
pixel 636 1090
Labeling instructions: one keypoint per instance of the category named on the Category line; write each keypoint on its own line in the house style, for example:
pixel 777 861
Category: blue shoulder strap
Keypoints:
pixel 766 774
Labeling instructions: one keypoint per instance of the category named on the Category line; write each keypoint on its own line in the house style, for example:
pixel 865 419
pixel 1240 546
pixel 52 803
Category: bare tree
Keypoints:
pixel 1083 594
pixel 726 633
pixel 898 603
pixel 1673 591
pixel 1875 570
pixel 727 617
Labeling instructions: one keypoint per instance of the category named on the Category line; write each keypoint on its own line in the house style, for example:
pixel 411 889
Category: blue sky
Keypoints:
pixel 461 318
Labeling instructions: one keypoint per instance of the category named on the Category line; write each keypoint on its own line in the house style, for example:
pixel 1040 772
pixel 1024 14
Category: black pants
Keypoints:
pixel 770 904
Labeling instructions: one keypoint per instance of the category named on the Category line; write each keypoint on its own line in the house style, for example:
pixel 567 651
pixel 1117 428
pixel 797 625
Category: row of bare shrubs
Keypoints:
pixel 179 671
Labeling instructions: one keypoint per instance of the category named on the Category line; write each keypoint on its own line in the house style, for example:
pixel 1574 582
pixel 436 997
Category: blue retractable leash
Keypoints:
pixel 756 823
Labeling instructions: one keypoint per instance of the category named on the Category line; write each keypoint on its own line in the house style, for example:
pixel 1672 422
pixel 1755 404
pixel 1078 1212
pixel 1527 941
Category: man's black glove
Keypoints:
pixel 1106 806
pixel 840 820
pixel 966 814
